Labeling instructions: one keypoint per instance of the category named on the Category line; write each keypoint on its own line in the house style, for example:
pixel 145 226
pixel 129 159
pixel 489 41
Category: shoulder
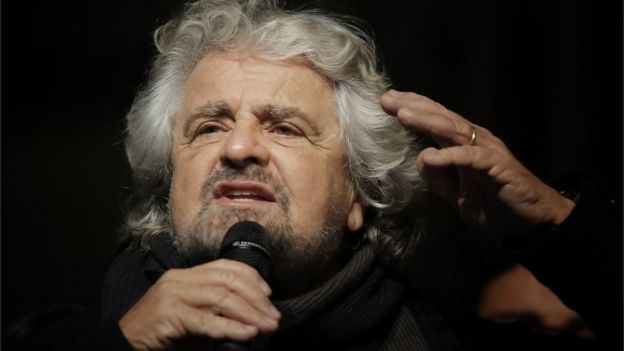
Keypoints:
pixel 125 281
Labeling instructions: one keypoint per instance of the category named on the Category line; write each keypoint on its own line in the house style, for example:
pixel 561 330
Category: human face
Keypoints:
pixel 260 140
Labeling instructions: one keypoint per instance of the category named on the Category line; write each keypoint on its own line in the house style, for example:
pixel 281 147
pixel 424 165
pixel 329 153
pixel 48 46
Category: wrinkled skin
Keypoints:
pixel 495 193
pixel 273 125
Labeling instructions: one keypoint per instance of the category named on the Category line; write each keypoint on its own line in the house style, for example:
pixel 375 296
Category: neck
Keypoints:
pixel 297 278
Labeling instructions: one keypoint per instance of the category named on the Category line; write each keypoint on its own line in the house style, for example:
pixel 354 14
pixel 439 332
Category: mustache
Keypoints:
pixel 249 173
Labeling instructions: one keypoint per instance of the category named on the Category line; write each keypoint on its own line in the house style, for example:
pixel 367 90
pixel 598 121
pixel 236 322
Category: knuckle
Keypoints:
pixel 225 263
pixel 245 269
pixel 164 307
pixel 170 275
pixel 207 320
pixel 218 263
pixel 498 142
pixel 232 265
pixel 471 154
pixel 437 129
pixel 227 277
pixel 166 286
pixel 461 129
pixel 468 150
pixel 209 324
pixel 250 271
pixel 218 295
pixel 221 262
pixel 404 112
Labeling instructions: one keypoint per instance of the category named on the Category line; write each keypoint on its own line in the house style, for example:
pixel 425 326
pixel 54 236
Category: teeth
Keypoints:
pixel 243 195
pixel 238 193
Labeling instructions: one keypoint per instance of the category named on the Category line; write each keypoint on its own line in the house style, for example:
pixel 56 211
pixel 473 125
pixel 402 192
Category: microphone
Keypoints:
pixel 247 242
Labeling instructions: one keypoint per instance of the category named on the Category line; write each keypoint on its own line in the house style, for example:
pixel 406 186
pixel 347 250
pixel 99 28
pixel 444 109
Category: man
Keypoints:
pixel 256 113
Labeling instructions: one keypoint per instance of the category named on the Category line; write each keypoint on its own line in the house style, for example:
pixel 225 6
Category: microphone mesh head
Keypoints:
pixel 248 242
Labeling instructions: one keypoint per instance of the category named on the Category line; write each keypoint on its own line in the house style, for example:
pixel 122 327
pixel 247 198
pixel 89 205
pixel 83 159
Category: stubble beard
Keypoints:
pixel 301 261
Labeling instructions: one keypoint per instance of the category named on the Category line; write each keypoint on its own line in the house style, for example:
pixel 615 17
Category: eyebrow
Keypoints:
pixel 269 111
pixel 281 113
pixel 211 109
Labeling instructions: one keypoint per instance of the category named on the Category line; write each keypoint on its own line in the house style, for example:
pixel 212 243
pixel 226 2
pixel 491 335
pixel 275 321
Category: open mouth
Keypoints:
pixel 243 191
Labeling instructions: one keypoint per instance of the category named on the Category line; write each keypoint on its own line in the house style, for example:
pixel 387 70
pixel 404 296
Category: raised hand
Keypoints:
pixel 474 171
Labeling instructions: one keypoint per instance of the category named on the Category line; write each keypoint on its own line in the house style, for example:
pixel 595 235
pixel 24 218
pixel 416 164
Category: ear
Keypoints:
pixel 356 216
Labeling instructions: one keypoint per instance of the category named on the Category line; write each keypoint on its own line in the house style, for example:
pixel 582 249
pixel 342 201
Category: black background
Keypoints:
pixel 545 76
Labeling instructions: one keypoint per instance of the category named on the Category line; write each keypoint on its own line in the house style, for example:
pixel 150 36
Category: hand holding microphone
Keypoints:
pixel 222 299
pixel 249 243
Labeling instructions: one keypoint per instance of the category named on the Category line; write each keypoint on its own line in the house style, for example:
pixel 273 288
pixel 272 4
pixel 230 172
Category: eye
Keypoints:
pixel 209 128
pixel 286 130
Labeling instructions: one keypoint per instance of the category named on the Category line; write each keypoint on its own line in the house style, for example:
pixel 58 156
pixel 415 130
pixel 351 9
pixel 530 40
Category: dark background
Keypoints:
pixel 545 76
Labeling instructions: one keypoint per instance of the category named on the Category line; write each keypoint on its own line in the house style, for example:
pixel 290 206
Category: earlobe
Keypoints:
pixel 356 217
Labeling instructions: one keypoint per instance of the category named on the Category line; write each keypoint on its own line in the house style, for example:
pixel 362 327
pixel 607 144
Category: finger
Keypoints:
pixel 393 100
pixel 394 103
pixel 201 322
pixel 441 180
pixel 469 197
pixel 442 129
pixel 235 276
pixel 429 117
pixel 244 269
pixel 457 186
pixel 474 157
pixel 477 168
pixel 226 303
pixel 236 282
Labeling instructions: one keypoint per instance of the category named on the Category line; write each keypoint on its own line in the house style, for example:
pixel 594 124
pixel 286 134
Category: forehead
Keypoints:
pixel 246 81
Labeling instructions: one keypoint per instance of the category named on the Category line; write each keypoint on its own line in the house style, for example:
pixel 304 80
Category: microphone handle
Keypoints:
pixel 249 243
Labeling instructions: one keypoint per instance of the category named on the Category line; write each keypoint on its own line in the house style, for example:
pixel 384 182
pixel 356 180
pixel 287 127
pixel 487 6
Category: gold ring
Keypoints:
pixel 473 136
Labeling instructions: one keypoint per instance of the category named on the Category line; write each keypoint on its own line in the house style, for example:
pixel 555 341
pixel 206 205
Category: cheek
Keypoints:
pixel 182 199
pixel 314 182
pixel 304 173
pixel 189 174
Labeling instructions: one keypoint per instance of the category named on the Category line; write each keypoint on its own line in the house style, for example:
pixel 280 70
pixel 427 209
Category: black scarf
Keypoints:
pixel 360 308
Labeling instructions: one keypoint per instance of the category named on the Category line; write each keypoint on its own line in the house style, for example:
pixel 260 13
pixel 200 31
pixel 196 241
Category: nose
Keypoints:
pixel 245 145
